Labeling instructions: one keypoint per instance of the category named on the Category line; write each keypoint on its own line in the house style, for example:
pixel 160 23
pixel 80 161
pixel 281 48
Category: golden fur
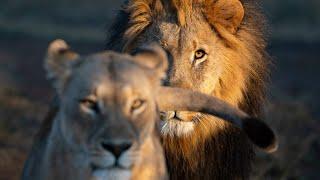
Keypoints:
pixel 213 149
pixel 95 92
pixel 97 132
pixel 245 55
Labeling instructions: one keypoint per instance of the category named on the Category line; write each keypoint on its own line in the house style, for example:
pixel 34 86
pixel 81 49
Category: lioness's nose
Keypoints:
pixel 116 148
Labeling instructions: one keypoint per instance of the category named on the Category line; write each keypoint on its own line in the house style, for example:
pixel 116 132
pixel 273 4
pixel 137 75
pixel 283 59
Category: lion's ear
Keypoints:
pixel 154 58
pixel 58 63
pixel 226 13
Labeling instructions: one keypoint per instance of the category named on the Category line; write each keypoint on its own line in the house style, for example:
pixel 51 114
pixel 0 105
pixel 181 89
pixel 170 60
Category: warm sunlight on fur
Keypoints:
pixel 216 47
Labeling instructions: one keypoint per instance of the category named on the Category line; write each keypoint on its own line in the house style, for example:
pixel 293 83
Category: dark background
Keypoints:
pixel 27 27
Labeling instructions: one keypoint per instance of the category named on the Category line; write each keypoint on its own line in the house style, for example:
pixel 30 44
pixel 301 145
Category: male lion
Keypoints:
pixel 215 47
pixel 105 127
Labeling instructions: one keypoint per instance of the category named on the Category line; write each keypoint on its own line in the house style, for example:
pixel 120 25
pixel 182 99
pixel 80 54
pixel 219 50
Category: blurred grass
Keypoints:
pixel 20 117
pixel 298 134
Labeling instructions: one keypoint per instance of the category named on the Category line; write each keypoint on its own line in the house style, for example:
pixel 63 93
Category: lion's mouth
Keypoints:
pixel 184 116
pixel 177 123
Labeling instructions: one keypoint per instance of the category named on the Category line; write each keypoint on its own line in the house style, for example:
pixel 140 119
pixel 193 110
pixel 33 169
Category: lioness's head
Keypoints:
pixel 108 110
pixel 213 45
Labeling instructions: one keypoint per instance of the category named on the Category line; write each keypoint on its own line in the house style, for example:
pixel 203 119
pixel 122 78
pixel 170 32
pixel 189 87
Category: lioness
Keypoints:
pixel 105 127
pixel 216 47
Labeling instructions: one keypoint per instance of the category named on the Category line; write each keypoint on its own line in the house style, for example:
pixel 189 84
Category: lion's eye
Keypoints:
pixel 199 56
pixel 90 104
pixel 137 104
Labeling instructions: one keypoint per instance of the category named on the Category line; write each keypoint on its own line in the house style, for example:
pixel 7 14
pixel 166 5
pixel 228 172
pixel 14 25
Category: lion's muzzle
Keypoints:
pixel 178 123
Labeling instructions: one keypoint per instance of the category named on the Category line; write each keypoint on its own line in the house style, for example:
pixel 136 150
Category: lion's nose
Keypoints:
pixel 168 115
pixel 116 148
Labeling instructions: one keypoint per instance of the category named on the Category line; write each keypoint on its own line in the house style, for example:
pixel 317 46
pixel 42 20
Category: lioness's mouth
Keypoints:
pixel 114 167
pixel 107 162
pixel 112 174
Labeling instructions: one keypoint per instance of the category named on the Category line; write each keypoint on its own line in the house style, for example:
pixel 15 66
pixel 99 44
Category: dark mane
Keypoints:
pixel 254 97
pixel 225 153
pixel 116 31
pixel 254 24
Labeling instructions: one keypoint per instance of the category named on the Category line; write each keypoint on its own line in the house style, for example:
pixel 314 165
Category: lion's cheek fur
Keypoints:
pixel 231 75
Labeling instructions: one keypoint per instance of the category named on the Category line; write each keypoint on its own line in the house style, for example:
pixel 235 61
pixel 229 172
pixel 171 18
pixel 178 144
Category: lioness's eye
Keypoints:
pixel 136 104
pixel 199 56
pixel 90 104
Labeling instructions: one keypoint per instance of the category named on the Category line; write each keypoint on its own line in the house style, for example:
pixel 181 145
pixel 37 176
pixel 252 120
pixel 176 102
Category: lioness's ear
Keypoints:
pixel 58 63
pixel 224 13
pixel 152 57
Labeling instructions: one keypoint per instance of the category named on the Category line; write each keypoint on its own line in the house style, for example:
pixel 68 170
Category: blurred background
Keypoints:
pixel 27 26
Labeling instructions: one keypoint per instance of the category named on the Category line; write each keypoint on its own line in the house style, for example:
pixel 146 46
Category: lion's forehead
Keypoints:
pixel 98 75
pixel 176 38
pixel 169 29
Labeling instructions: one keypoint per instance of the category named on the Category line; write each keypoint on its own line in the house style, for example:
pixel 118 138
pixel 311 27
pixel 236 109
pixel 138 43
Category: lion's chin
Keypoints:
pixel 175 127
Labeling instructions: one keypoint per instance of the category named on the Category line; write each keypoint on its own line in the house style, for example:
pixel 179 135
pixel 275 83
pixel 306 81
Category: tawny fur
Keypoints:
pixel 70 142
pixel 215 150
pixel 113 81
